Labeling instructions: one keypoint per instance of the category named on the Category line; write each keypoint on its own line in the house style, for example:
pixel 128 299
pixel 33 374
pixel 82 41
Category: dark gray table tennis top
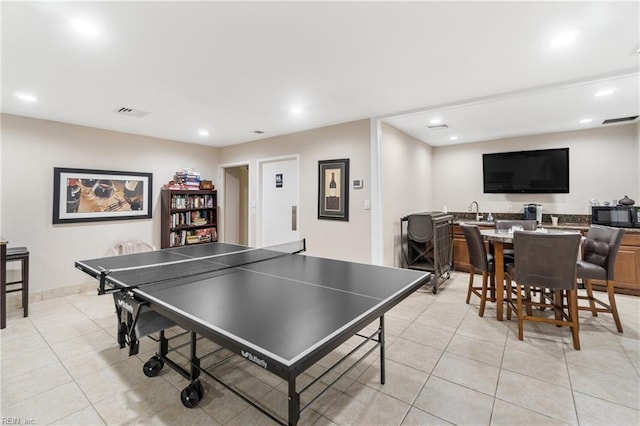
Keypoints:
pixel 284 307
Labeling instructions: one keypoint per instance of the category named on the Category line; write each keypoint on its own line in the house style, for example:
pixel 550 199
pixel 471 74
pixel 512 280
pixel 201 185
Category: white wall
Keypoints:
pixel 31 148
pixel 604 164
pixel 406 185
pixel 415 177
pixel 328 238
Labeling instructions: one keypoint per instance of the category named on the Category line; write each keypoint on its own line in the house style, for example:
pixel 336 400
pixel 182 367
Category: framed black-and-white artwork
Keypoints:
pixel 84 195
pixel 333 189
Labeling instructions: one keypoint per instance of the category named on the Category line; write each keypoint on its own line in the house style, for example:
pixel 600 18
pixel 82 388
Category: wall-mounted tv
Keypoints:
pixel 544 171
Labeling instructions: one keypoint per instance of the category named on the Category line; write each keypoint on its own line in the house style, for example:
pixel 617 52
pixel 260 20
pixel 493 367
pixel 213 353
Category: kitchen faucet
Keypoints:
pixel 478 215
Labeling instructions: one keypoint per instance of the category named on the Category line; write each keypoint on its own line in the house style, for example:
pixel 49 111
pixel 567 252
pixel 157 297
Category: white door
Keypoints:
pixel 279 201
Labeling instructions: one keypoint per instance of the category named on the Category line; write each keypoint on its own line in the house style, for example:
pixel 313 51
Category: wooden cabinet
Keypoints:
pixel 627 268
pixel 188 217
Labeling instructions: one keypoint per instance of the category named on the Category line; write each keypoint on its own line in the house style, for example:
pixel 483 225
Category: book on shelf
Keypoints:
pixel 182 201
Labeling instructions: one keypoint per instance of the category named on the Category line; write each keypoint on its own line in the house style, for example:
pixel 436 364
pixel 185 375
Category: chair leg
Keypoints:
pixel 493 287
pixel 542 308
pixel 483 297
pixel 572 296
pixel 519 312
pixel 612 302
pixel 558 304
pixel 592 304
pixel 25 286
pixel 470 286
pixel 508 294
pixel 528 298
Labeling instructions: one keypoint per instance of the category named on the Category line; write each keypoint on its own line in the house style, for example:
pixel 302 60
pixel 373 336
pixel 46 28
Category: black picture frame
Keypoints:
pixel 87 195
pixel 333 201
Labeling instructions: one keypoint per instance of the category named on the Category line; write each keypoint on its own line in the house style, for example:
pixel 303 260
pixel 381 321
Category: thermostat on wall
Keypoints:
pixel 358 183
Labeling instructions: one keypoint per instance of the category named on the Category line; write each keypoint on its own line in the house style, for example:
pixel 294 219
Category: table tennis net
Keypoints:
pixel 192 267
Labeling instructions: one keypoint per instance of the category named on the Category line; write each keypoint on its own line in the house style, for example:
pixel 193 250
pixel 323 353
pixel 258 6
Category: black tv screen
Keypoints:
pixel 544 171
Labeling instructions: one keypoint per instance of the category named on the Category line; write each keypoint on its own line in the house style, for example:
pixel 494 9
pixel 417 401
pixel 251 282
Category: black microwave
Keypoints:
pixel 619 216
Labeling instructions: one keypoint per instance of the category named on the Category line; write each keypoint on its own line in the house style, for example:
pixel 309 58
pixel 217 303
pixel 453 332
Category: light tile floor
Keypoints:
pixel 445 365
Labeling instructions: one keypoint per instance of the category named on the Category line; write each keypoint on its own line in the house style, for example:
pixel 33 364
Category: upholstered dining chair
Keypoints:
pixel 482 262
pixel 546 262
pixel 599 254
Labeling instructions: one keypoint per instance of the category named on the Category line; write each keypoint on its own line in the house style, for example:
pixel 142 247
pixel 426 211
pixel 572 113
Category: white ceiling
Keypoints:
pixel 486 68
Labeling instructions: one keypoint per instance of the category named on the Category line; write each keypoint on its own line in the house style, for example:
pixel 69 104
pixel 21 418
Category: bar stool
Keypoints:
pixel 21 254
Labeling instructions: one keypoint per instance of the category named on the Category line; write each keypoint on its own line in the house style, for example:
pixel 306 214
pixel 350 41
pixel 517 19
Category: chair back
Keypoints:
pixel 546 260
pixel 420 227
pixel 526 225
pixel 601 247
pixel 131 246
pixel 475 245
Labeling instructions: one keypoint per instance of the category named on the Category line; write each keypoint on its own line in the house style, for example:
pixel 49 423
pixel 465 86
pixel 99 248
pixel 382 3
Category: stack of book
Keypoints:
pixel 187 178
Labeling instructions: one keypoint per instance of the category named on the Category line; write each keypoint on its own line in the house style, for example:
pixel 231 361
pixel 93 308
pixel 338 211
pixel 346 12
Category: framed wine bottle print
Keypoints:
pixel 333 189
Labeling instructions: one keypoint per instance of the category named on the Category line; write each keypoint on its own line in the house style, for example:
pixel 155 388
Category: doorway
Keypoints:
pixel 236 205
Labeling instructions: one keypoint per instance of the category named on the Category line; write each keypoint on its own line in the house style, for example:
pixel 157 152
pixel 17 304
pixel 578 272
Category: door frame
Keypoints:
pixel 260 163
pixel 221 199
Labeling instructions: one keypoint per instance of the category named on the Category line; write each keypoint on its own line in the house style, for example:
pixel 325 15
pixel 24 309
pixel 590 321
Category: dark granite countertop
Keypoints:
pixel 565 221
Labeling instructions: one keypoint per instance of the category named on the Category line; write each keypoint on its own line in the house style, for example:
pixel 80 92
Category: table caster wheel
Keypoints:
pixel 153 366
pixel 192 394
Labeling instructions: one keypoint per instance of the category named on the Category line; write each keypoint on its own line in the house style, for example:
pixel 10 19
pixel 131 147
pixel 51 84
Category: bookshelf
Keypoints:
pixel 188 217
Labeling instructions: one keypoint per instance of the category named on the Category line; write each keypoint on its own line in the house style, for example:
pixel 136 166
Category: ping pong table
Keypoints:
pixel 275 307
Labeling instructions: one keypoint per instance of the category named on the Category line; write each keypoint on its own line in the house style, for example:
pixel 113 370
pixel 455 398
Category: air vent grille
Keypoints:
pixel 619 120
pixel 130 112
pixel 437 126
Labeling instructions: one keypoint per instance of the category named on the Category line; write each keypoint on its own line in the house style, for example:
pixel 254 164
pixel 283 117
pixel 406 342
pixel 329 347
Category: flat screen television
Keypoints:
pixel 544 171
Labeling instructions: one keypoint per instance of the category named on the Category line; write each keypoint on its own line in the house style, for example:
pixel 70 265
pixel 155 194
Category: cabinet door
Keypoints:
pixel 460 254
pixel 627 269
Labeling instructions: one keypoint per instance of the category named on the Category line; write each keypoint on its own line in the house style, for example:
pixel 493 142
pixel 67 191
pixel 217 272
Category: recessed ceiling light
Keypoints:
pixel 585 120
pixel 453 138
pixel 435 120
pixel 25 97
pixel 296 110
pixel 203 132
pixel 564 39
pixel 604 92
pixel 84 27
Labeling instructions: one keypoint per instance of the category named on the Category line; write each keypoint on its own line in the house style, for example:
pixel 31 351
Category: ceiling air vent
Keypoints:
pixel 437 126
pixel 131 112
pixel 619 120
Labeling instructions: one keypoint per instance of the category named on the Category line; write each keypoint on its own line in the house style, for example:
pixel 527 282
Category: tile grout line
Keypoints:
pixel 73 379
